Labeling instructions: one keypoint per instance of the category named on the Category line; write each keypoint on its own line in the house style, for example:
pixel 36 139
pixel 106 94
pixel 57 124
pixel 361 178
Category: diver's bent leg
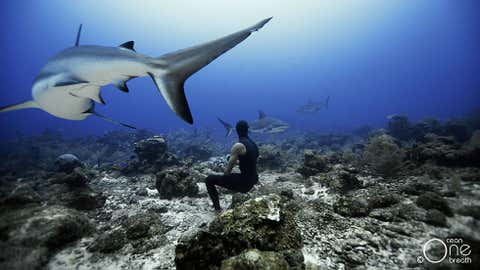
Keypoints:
pixel 236 182
pixel 210 182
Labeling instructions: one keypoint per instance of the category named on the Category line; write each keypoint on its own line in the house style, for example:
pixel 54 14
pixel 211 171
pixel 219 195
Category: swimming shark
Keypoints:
pixel 69 84
pixel 313 107
pixel 267 124
pixel 264 125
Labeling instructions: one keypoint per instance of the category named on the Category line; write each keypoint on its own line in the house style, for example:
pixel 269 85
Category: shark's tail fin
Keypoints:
pixel 171 70
pixel 326 102
pixel 19 106
pixel 227 126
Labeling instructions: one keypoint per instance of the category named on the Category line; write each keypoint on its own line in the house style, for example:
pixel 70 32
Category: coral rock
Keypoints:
pixel 108 242
pixel 255 259
pixel 35 234
pixel 176 182
pixel 67 163
pixel 313 164
pixel 266 223
pixel 431 200
pixel 352 206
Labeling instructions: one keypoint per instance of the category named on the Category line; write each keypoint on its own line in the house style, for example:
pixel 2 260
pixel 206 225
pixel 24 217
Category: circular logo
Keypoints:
pixel 430 242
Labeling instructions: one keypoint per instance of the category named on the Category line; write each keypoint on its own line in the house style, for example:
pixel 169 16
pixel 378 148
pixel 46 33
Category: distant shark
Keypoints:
pixel 264 125
pixel 313 107
pixel 70 82
pixel 227 126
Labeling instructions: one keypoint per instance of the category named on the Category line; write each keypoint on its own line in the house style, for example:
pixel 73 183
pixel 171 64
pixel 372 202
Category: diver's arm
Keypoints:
pixel 237 149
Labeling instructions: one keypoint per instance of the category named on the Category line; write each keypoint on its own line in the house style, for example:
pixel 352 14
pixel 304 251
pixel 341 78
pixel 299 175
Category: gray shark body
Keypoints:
pixel 313 107
pixel 69 84
pixel 263 125
pixel 267 124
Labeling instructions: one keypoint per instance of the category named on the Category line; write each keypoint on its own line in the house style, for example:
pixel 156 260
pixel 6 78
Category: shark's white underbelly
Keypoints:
pixel 59 102
pixel 63 102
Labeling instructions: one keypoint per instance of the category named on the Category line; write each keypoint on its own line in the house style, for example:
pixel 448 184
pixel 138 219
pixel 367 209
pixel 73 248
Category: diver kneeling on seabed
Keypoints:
pixel 246 152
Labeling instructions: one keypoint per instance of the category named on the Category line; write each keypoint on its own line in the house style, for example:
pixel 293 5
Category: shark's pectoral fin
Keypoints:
pixel 90 91
pixel 19 106
pixel 172 90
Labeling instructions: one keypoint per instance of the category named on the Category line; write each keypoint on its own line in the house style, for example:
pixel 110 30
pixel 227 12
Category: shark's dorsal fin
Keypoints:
pixel 128 45
pixel 261 115
pixel 77 41
pixel 89 91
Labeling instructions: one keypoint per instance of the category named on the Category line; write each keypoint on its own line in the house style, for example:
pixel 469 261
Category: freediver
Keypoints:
pixel 246 152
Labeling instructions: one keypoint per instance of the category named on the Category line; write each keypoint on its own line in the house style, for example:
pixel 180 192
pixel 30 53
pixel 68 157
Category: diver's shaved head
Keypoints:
pixel 242 128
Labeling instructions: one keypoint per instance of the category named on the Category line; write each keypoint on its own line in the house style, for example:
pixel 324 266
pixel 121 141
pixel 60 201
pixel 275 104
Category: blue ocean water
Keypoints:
pixel 373 58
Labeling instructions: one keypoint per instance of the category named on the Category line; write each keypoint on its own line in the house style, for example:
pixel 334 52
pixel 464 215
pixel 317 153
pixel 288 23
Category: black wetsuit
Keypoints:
pixel 240 182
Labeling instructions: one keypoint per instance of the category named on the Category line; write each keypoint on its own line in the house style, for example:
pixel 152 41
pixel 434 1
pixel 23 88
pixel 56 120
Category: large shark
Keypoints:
pixel 313 107
pixel 264 125
pixel 69 84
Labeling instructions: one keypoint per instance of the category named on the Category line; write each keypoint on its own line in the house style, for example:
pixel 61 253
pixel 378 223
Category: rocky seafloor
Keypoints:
pixel 369 199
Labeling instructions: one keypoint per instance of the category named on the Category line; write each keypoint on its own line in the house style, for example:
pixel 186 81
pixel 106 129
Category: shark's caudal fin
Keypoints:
pixel 174 68
pixel 19 106
pixel 227 126
pixel 326 102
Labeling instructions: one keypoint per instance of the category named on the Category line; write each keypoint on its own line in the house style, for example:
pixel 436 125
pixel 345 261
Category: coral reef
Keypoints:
pixel 399 127
pixel 30 236
pixel 382 155
pixel 271 158
pixel 152 155
pixel 256 259
pixel 67 162
pixel 136 200
pixel 176 182
pixel 446 151
pixel 313 163
pixel 265 223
